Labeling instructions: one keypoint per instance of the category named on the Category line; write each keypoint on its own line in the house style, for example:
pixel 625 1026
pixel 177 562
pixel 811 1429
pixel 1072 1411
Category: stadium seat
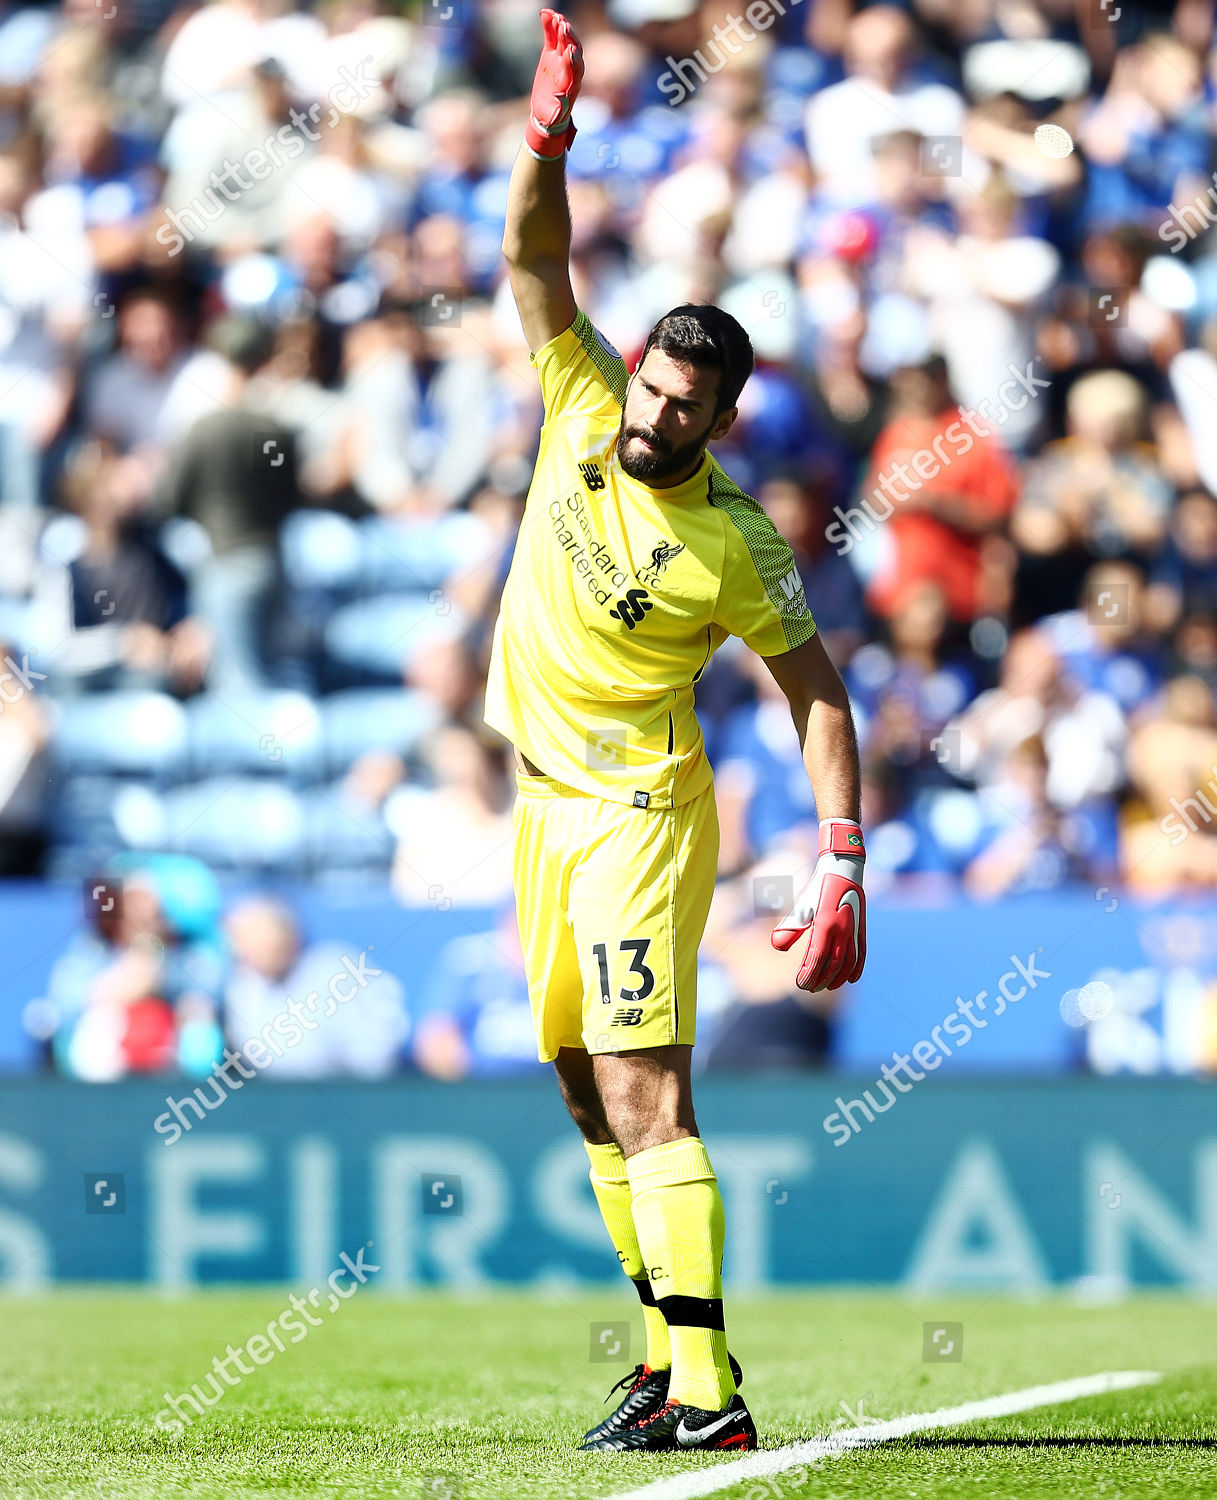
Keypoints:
pixel 417 555
pixel 320 550
pixel 95 818
pixel 63 539
pixel 278 733
pixel 342 835
pixel 125 733
pixel 14 623
pixel 362 719
pixel 185 543
pixel 83 817
pixel 249 824
pixel 953 818
pixel 373 640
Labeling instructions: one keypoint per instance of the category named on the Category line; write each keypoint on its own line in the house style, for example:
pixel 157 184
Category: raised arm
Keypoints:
pixel 536 237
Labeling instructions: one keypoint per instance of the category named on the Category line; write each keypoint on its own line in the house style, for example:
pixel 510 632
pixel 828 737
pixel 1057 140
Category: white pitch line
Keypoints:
pixel 758 1465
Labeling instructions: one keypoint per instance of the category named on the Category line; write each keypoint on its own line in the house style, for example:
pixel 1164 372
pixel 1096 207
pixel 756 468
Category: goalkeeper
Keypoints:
pixel 637 557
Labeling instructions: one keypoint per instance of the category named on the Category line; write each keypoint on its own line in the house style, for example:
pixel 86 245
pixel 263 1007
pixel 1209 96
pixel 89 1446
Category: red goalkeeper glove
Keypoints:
pixel 555 88
pixel 833 906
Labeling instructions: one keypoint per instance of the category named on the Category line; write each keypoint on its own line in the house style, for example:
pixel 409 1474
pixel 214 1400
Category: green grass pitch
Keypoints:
pixel 486 1396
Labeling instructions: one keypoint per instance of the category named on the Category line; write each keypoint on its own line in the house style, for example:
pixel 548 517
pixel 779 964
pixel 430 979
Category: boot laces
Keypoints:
pixel 655 1415
pixel 634 1379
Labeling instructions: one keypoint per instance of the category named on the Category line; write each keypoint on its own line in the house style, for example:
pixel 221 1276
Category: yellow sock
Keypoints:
pixel 678 1217
pixel 612 1189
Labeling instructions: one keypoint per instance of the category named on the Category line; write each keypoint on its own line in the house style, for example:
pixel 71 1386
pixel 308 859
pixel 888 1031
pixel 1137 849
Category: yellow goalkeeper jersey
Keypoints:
pixel 619 594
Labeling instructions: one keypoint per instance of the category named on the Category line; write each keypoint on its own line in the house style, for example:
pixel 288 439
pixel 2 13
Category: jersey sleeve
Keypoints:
pixel 581 373
pixel 761 597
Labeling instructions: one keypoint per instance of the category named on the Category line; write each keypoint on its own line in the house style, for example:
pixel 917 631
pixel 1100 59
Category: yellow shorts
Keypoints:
pixel 612 903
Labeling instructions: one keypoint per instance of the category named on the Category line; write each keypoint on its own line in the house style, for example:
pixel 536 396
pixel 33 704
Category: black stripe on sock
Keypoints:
pixel 692 1312
pixel 646 1293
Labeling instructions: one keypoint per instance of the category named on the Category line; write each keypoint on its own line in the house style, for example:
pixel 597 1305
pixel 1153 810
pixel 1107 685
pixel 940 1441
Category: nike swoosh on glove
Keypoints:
pixel 555 87
pixel 832 904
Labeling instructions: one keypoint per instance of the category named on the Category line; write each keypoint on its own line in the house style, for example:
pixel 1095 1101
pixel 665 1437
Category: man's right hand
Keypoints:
pixel 555 88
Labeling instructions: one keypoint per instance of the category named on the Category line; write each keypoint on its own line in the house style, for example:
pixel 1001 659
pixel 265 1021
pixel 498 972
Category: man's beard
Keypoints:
pixel 661 464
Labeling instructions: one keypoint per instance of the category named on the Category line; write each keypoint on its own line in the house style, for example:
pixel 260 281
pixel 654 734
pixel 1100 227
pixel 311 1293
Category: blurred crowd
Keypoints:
pixel 170 975
pixel 268 422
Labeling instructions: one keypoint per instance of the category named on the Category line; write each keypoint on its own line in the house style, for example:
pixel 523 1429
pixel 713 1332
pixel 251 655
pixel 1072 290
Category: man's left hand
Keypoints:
pixel 833 905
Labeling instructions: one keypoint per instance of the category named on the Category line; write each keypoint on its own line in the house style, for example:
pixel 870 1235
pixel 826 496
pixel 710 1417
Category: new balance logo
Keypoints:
pixel 592 477
pixel 632 608
pixel 628 1015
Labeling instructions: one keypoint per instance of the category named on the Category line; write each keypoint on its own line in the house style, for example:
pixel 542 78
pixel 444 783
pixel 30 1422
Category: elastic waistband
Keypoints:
pixel 546 786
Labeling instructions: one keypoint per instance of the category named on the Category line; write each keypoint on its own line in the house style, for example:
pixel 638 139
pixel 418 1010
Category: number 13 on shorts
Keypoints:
pixel 623 984
pixel 612 902
pixel 646 977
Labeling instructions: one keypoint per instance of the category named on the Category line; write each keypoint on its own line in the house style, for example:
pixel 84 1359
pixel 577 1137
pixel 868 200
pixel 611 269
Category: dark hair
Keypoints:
pixel 704 335
pixel 244 341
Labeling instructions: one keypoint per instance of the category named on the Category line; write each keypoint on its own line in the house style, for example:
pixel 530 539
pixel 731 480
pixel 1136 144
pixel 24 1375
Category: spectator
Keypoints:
pixel 828 579
pixel 481 1023
pixel 1194 647
pixel 234 473
pixel 148 393
pixel 44 304
pixel 750 1014
pixel 1097 492
pixel 1081 728
pixel 849 405
pixel 761 783
pixel 449 676
pixel 1106 643
pixel 904 692
pixel 476 589
pixel 102 182
pixel 881 86
pixel 1184 574
pixel 348 1018
pixel 460 181
pixel 984 287
pixel 1169 755
pixel 952 485
pixel 1029 846
pixel 110 612
pixel 138 991
pixel 219 190
pixel 1147 140
pixel 414 429
pixel 454 838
